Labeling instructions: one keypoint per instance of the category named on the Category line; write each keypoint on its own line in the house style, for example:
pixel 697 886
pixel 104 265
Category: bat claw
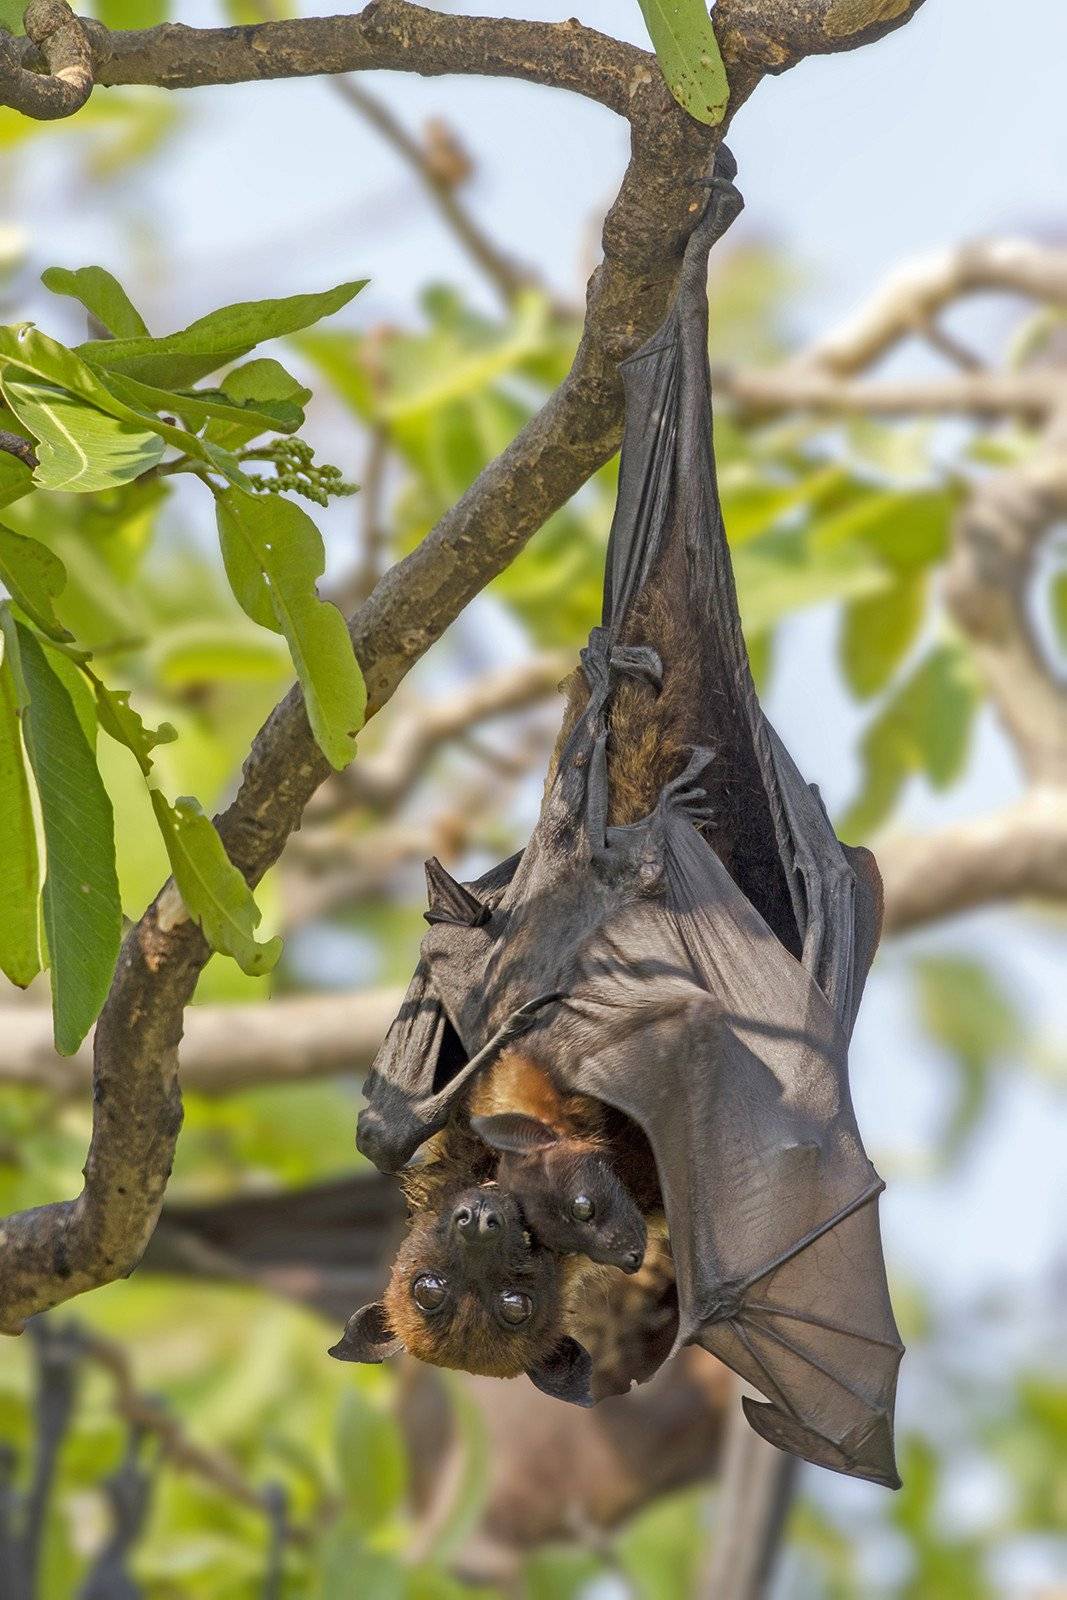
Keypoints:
pixel 637 661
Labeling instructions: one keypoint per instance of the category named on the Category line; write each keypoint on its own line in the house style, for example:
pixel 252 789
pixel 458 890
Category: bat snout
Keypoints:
pixel 479 1220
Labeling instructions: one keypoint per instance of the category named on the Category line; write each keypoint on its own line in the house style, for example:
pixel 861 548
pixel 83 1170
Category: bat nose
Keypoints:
pixel 477 1220
pixel 632 1260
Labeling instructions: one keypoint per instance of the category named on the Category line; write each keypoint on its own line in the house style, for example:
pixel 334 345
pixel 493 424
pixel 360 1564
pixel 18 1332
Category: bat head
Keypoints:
pixel 569 1192
pixel 472 1289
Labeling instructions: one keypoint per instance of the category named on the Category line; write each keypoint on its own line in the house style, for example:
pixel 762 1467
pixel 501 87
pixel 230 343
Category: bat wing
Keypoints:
pixel 423 1053
pixel 694 1020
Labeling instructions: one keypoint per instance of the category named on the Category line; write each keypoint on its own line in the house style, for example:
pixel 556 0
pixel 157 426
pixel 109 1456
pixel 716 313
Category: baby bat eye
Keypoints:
pixel 583 1209
pixel 515 1307
pixel 429 1292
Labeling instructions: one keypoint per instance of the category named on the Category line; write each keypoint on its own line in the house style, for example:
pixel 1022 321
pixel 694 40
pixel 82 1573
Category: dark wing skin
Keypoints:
pixel 711 956
pixel 689 1016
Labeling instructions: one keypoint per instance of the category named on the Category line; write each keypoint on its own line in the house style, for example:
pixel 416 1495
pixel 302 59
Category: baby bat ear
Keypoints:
pixel 515 1133
pixel 566 1373
pixel 451 901
pixel 367 1336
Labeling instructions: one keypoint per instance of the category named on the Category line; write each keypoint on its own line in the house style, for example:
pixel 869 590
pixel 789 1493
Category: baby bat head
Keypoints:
pixel 471 1289
pixel 571 1196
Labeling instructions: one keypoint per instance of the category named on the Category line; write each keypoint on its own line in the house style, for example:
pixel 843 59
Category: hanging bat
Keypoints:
pixel 685 940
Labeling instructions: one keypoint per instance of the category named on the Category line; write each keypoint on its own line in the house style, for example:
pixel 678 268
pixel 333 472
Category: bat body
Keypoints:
pixel 684 940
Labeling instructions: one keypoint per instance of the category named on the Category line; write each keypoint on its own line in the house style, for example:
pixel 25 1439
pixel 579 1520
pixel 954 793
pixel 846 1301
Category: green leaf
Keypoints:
pixel 34 577
pixel 123 724
pixel 122 14
pixel 905 531
pixel 371 1461
pixel 966 1010
pixel 216 895
pixel 198 406
pixel 79 448
pixel 82 914
pixel 217 339
pixel 27 349
pixel 878 631
pixel 273 554
pixel 102 296
pixel 689 57
pixel 781 573
pixel 262 385
pixel 20 958
pixel 199 653
pixel 925 728
pixel 16 478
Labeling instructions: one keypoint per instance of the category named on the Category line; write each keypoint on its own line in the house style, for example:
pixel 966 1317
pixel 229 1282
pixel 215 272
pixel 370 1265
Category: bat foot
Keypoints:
pixel 637 661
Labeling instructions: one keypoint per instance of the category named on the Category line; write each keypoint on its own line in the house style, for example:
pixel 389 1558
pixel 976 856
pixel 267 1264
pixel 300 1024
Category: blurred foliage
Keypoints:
pixel 850 521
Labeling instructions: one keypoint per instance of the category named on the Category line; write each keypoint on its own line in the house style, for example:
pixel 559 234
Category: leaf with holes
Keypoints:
pixel 689 56
pixel 216 895
pixel 274 554
pixel 26 350
pixel 82 914
pixel 123 724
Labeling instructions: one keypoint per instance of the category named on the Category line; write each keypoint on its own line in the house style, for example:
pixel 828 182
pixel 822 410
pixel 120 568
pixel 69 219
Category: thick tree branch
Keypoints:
pixel 1030 396
pixel 1019 853
pixel 910 301
pixel 63 47
pixel 224 1049
pixel 997 534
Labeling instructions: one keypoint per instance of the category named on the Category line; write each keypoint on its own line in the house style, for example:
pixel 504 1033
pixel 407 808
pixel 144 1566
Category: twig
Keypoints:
pixel 383 781
pixel 15 445
pixel 441 180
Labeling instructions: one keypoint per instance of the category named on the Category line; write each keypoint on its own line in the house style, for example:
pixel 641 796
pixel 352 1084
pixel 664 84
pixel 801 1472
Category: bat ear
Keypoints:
pixel 367 1336
pixel 515 1133
pixel 450 901
pixel 565 1374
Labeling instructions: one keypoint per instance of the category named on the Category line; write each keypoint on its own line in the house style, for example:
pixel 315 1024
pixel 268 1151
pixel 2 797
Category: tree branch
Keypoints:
pixel 912 298
pixel 225 1048
pixel 1018 853
pixel 441 179
pixel 987 585
pixel 63 48
pixel 1031 396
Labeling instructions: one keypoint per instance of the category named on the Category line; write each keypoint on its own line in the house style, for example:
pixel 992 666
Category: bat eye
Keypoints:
pixel 515 1307
pixel 429 1292
pixel 583 1209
